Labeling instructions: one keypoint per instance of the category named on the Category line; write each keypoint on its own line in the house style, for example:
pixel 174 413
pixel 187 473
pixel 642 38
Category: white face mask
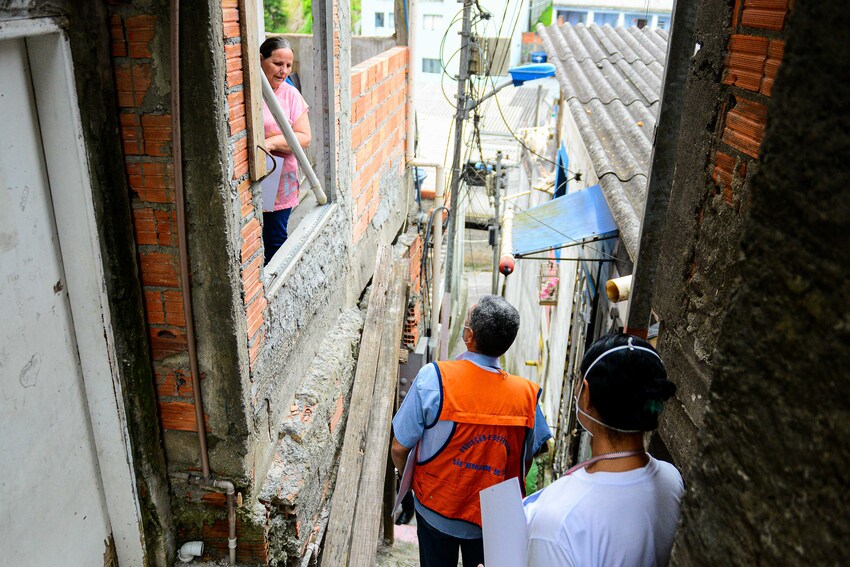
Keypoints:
pixel 581 413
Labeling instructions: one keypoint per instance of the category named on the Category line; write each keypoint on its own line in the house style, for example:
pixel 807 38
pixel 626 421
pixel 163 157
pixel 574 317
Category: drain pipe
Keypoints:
pixel 410 147
pixel 183 253
pixel 230 491
pixel 185 285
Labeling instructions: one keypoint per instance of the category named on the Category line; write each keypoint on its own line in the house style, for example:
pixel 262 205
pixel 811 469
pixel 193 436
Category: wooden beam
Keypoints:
pixel 367 518
pixel 343 502
pixel 253 90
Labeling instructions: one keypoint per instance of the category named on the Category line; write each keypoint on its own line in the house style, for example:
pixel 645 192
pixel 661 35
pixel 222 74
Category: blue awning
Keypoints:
pixel 575 218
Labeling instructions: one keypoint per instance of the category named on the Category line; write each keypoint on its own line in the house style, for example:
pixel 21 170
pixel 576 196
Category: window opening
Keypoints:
pixel 307 216
pixel 431 66
pixel 432 22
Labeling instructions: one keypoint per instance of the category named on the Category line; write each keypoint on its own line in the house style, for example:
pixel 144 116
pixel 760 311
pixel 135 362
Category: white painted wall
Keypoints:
pixel 66 475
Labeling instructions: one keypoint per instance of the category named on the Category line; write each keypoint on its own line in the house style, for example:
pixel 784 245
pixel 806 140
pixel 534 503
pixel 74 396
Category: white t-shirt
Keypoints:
pixel 605 519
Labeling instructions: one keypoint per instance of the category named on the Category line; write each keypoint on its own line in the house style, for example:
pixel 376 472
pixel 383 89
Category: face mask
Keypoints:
pixel 581 413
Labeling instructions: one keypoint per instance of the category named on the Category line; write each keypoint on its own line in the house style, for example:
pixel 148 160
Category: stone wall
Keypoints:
pixel 770 483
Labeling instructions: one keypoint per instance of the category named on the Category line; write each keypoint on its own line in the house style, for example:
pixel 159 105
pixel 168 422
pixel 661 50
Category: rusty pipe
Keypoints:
pixel 183 252
pixel 185 285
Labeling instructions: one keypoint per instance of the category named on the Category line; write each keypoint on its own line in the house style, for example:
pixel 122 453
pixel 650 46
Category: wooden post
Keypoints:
pixel 253 90
pixel 344 500
pixel 367 517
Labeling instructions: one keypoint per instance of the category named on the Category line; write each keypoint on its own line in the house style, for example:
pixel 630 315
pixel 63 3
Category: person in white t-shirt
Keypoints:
pixel 621 507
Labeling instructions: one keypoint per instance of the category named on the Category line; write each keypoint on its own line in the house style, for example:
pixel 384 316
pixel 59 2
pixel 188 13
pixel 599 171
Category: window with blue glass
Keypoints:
pixel 602 18
pixel 664 22
pixel 431 65
pixel 572 17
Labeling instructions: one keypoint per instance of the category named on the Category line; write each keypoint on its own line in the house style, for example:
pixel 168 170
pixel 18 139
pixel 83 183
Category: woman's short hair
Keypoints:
pixel 272 44
pixel 494 323
pixel 629 386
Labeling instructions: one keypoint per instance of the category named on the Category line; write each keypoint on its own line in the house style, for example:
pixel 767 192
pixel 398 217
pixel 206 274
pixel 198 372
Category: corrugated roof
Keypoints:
pixel 612 81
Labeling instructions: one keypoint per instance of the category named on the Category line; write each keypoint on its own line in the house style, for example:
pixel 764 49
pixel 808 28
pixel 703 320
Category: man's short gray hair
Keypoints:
pixel 494 323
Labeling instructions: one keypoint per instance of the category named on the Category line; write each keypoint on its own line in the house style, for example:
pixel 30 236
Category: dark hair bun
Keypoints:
pixel 628 386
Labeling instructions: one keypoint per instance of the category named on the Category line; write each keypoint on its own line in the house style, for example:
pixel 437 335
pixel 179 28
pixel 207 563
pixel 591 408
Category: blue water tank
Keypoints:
pixel 538 57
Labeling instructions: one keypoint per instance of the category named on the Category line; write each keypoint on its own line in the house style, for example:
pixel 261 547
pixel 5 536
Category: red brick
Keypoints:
pixel 116 32
pixel 237 125
pixel 173 382
pixel 337 415
pixel 174 310
pixel 166 341
pixel 231 29
pixel 233 64
pixel 154 309
pixel 159 269
pixel 179 416
pixel 256 315
pixel 763 18
pixel 745 124
pixel 138 40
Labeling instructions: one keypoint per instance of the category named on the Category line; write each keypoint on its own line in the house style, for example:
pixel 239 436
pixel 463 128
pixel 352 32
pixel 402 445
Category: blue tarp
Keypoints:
pixel 573 219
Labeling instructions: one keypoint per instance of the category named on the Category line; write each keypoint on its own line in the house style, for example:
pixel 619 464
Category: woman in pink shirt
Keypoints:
pixel 277 59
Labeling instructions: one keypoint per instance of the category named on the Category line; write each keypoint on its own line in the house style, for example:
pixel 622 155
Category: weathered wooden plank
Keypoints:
pixel 251 70
pixel 367 517
pixel 338 536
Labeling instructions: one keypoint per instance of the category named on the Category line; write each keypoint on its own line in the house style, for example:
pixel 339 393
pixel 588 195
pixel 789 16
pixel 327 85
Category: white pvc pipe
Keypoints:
pixel 190 550
pixel 292 140
pixel 619 289
pixel 411 70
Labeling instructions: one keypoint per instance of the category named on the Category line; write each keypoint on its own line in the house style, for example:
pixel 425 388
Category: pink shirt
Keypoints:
pixel 294 106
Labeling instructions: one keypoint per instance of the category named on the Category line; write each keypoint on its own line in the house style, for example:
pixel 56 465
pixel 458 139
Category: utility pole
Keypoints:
pixel 497 224
pixel 460 116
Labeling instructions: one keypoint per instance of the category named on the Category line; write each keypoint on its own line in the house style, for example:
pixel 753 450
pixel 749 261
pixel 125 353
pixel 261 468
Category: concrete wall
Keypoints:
pixel 769 487
pixel 726 97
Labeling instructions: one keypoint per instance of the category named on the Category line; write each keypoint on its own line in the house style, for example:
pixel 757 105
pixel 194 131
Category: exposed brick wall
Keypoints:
pixel 754 52
pixel 378 97
pixel 146 134
pixel 139 43
pixel 413 321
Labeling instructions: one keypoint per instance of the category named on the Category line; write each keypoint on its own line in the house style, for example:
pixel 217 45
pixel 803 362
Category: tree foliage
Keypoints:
pixel 275 16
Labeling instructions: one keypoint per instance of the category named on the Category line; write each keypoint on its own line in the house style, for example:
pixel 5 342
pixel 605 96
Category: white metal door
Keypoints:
pixel 52 505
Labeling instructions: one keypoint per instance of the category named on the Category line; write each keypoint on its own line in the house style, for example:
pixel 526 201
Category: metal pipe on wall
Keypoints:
pixel 185 284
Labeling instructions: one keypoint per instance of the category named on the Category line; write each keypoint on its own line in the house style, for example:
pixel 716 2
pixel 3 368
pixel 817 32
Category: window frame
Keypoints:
pixel 276 272
pixel 431 61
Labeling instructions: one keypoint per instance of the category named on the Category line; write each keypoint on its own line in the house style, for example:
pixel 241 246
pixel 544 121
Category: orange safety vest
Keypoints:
pixel 492 413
